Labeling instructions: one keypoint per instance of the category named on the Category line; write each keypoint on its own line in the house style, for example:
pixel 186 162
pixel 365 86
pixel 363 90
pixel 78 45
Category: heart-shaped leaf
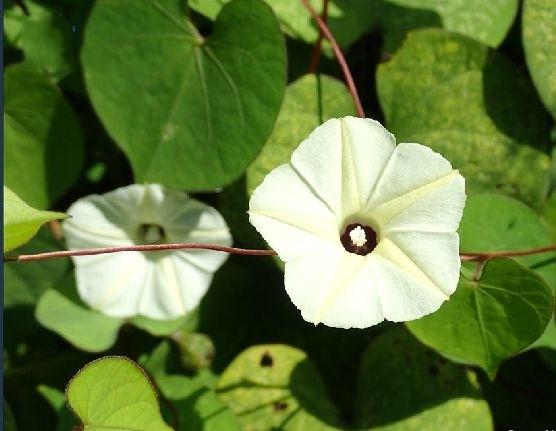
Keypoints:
pixel 189 112
pixel 489 320
pixel 404 386
pixel 456 96
pixel 43 142
pixel 539 43
pixel 114 393
pixel 22 222
pixel 276 387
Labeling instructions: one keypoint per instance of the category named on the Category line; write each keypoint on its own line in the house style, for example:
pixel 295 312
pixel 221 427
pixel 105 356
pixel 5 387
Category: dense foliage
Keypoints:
pixel 207 97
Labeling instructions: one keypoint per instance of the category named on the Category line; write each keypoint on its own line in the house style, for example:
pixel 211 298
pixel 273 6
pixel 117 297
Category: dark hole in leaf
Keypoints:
pixel 280 406
pixel 266 360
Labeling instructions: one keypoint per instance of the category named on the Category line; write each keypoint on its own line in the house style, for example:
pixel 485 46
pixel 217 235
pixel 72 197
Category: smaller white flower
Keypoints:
pixel 159 285
pixel 367 229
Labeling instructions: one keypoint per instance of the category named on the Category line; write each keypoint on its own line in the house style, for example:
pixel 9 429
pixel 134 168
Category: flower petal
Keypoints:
pixel 434 207
pixel 410 167
pixel 112 283
pixel 290 217
pixel 335 288
pixel 436 255
pixel 342 160
pixel 406 292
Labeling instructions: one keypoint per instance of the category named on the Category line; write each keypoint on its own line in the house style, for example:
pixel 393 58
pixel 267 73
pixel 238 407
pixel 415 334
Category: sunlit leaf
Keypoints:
pixel 22 222
pixel 276 387
pixel 461 99
pixel 114 393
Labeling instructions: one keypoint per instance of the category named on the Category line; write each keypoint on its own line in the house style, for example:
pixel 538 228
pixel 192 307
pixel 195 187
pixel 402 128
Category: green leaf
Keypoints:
pixel 114 393
pixel 44 36
pixel 347 19
pixel 159 328
pixel 188 112
pixel 549 215
pixel 496 223
pixel 198 407
pixel 490 320
pixel 61 312
pixel 22 222
pixel 308 102
pixel 57 400
pixel 539 43
pixel 276 387
pixel 405 386
pixel 459 98
pixel 43 143
pixel 487 22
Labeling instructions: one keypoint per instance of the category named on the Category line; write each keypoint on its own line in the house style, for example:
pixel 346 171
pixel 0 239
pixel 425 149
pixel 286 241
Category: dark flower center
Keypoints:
pixel 359 239
pixel 151 234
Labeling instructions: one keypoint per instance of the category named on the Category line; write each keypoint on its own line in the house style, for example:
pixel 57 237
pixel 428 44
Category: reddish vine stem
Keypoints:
pixel 476 257
pixel 315 55
pixel 148 247
pixel 482 256
pixel 339 56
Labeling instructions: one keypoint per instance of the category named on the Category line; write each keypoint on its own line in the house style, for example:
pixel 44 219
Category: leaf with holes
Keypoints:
pixel 114 393
pixel 404 386
pixel 43 142
pixel 276 387
pixel 188 112
pixel 539 43
pixel 458 97
pixel 489 320
pixel 22 222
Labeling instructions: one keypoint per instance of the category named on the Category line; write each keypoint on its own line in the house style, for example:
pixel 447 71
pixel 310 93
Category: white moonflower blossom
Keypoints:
pixel 159 285
pixel 367 229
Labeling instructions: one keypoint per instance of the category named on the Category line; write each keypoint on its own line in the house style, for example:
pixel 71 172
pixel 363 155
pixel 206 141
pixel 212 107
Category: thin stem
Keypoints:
pixel 471 257
pixel 148 247
pixel 480 256
pixel 315 55
pixel 339 56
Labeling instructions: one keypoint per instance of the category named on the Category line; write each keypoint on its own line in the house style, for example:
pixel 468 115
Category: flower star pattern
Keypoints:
pixel 159 285
pixel 367 229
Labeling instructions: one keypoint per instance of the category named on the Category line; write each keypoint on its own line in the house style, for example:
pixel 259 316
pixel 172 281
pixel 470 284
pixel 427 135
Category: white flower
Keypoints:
pixel 367 229
pixel 159 285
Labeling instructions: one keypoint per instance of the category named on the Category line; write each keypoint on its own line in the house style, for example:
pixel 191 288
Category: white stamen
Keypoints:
pixel 358 237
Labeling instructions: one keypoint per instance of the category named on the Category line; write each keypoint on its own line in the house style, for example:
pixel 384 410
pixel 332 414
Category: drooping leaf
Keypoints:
pixel 487 321
pixel 22 222
pixel 405 386
pixel 487 22
pixel 189 112
pixel 276 387
pixel 459 98
pixel 60 311
pixel 309 101
pixel 497 223
pixel 539 42
pixel 347 19
pixel 44 35
pixel 43 142
pixel 198 407
pixel 114 393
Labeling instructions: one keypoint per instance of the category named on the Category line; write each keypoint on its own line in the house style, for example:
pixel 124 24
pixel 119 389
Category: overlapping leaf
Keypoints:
pixel 470 104
pixel 189 112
